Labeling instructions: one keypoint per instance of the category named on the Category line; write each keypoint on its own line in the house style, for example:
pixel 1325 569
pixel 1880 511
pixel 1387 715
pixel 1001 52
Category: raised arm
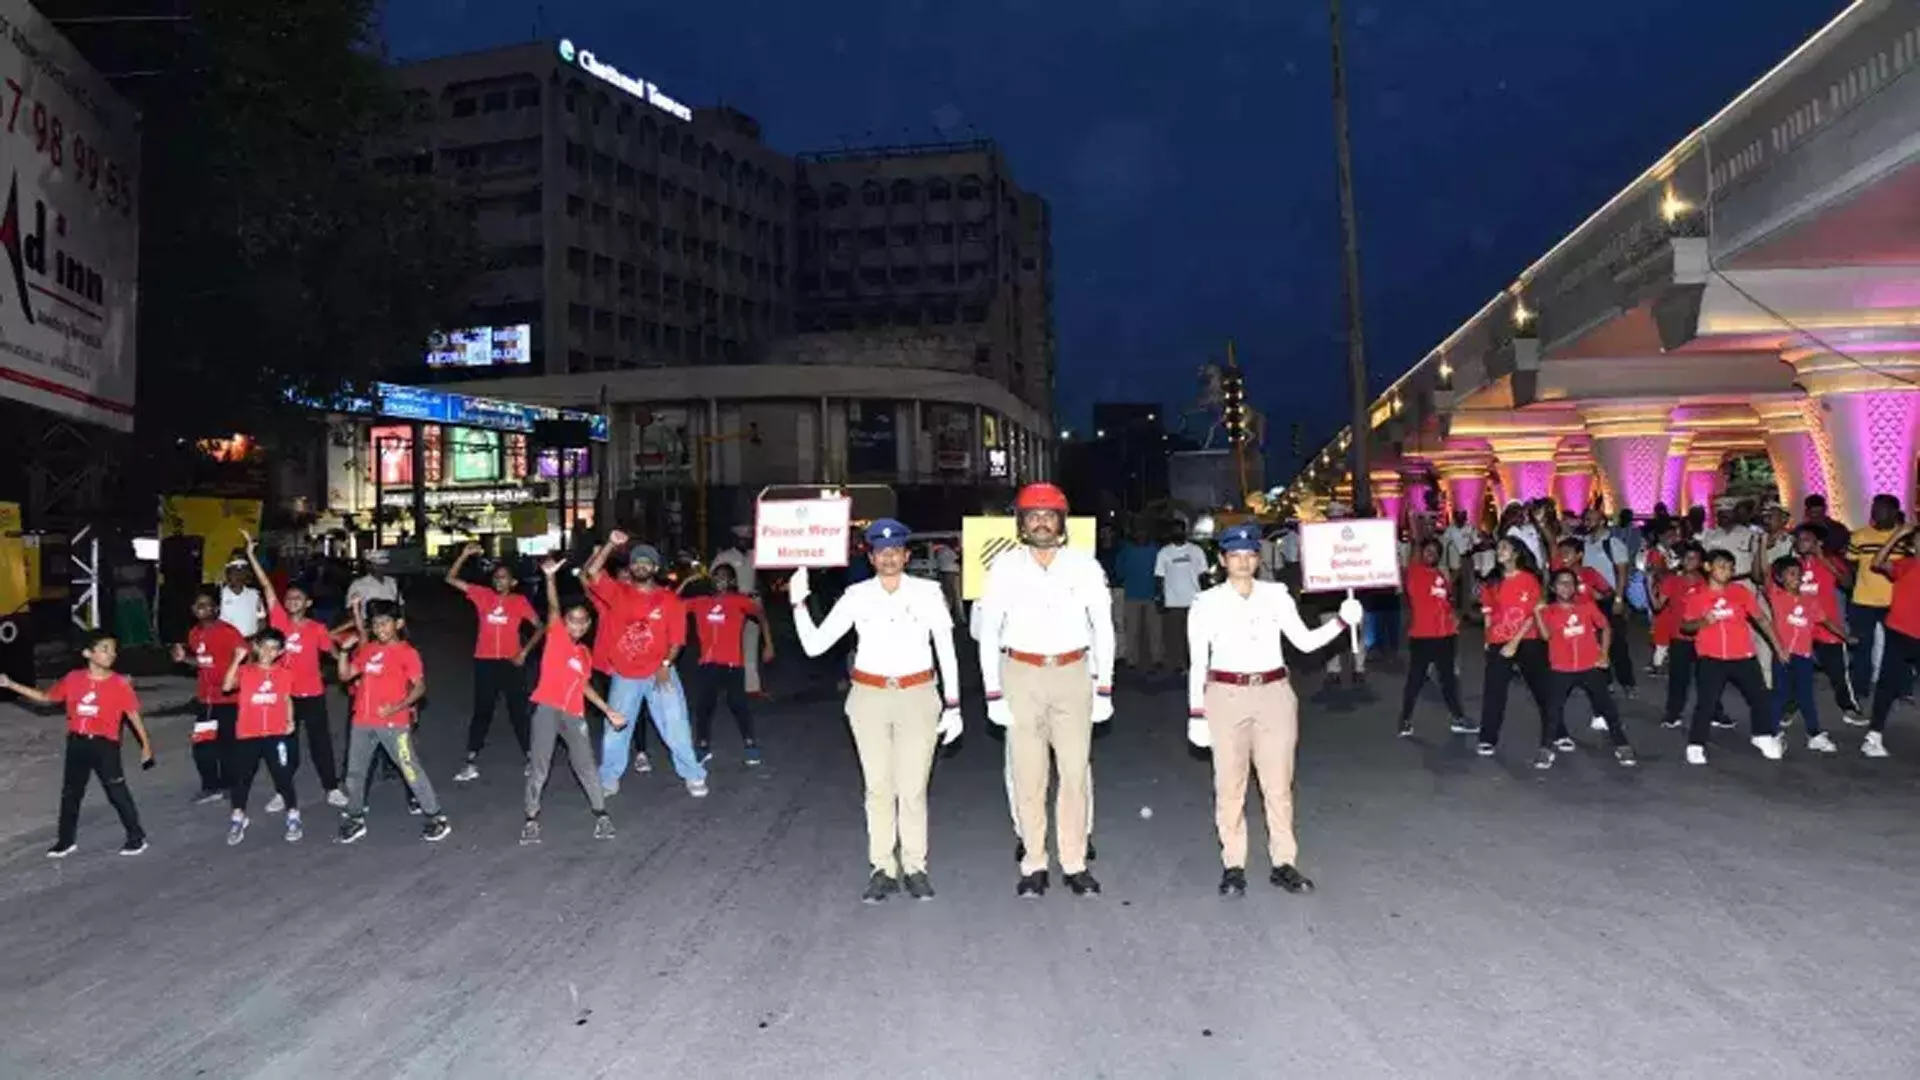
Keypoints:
pixel 231 680
pixel 598 560
pixel 460 563
pixel 550 569
pixel 268 594
pixel 25 690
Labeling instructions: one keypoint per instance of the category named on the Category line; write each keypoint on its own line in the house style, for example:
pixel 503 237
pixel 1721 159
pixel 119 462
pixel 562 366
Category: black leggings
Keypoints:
pixel 492 680
pixel 212 756
pixel 88 756
pixel 1896 674
pixel 1530 663
pixel 310 715
pixel 711 682
pixel 1437 653
pixel 279 752
pixel 1714 677
pixel 1683 672
pixel 1831 658
pixel 1560 687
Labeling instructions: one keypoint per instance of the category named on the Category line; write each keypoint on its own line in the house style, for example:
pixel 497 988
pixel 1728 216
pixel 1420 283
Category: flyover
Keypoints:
pixel 1753 291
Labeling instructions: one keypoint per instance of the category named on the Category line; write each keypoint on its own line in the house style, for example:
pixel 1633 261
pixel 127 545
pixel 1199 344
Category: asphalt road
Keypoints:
pixel 1474 919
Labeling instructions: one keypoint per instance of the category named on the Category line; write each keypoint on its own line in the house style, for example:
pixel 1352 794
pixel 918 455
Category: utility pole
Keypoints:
pixel 1350 229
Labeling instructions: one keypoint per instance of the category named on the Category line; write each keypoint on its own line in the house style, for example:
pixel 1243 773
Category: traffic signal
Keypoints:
pixel 1233 404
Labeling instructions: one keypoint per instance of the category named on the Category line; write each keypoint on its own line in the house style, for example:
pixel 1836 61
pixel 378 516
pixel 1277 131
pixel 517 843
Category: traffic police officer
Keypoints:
pixel 1046 636
pixel 1241 703
pixel 893 706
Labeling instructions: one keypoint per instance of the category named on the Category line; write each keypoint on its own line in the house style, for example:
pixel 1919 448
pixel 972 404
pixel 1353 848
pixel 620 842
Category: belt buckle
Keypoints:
pixel 1051 661
pixel 1256 680
pixel 893 682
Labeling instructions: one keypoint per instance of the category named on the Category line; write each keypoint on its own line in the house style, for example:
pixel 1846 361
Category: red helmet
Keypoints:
pixel 1040 497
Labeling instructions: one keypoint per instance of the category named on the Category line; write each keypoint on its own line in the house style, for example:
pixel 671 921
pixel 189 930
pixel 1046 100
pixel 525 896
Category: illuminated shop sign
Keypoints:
pixel 397 402
pixel 607 73
pixel 481 346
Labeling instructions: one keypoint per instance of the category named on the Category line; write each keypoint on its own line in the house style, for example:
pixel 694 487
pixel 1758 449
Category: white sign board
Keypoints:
pixel 790 533
pixel 1362 553
pixel 69 171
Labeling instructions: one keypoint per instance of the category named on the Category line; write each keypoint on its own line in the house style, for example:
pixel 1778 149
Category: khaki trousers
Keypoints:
pixel 893 730
pixel 1052 711
pixel 1253 727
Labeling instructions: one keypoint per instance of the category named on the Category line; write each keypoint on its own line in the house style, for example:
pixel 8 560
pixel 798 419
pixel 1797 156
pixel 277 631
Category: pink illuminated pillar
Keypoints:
pixel 1703 484
pixel 1673 480
pixel 1630 448
pixel 1466 490
pixel 1873 446
pixel 1526 481
pixel 1574 491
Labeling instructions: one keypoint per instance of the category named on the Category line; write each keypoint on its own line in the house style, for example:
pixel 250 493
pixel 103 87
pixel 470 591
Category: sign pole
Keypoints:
pixel 1353 632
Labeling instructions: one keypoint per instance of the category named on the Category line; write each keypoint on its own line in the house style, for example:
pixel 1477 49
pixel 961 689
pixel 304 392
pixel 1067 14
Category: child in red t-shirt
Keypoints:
pixel 1797 619
pixel 307 640
pixel 1902 632
pixel 387 681
pixel 1669 599
pixel 264 731
pixel 208 649
pixel 499 656
pixel 1718 616
pixel 1577 635
pixel 560 700
pixel 720 620
pixel 98 701
pixel 1433 630
pixel 1514 646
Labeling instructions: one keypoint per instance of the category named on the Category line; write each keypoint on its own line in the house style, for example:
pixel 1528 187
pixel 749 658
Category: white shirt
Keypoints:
pixel 1052 610
pixel 1180 568
pixel 1527 534
pixel 244 609
pixel 1739 540
pixel 743 570
pixel 1241 634
pixel 367 587
pixel 1455 543
pixel 901 632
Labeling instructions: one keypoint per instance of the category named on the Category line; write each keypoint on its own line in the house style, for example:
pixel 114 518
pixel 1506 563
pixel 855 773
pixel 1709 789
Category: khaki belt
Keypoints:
pixel 1257 678
pixel 1043 660
pixel 894 682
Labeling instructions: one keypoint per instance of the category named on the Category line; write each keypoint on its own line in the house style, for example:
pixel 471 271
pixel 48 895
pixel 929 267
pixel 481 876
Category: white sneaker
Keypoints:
pixel 1822 744
pixel 1770 746
pixel 336 797
pixel 276 804
pixel 1696 755
pixel 1875 746
pixel 697 788
pixel 1598 723
pixel 467 772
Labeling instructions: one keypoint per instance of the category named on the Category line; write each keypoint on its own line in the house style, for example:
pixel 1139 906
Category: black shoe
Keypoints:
pixel 1290 879
pixel 133 847
pixel 1091 854
pixel 1082 884
pixel 413 806
pixel 1019 851
pixel 1406 730
pixel 1233 882
pixel 880 886
pixel 437 829
pixel 919 887
pixel 351 829
pixel 1033 886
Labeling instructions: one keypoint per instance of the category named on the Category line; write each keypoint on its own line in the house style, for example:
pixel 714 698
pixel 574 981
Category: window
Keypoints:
pixel 669 191
pixel 577 260
pixel 526 97
pixel 669 240
pixel 602 167
pixel 938 190
pixel 975 313
pixel 602 213
pixel 602 320
pixel 650 332
pixel 906 275
pixel 808 199
pixel 626 222
pixel 576 316
pixel 625 277
pixel 873 277
pixel 973 230
pixel 970 189
pixel 942 274
pixel 906 317
pixel 624 175
pixel 627 326
pixel 576 361
pixel 576 206
pixel 671 339
pixel 602 267
pixel 746 265
pixel 464 106
pixel 902 193
pixel 872 195
pixel 906 235
pixel 690 245
pixel 873 239
pixel 972 271
pixel 576 156
pixel 839 239
pixel 1026 264
pixel 839 280
pixel 494 102
pixel 709 251
pixel 940 234
pixel 836 196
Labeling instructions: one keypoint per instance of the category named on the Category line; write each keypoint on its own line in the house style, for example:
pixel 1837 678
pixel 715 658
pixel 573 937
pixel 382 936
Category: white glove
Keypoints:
pixel 950 725
pixel 1351 612
pixel 1102 708
pixel 1198 733
pixel 797 588
pixel 999 711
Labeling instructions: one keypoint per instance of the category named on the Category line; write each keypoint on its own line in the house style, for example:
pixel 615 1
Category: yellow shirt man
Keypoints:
pixel 1871 589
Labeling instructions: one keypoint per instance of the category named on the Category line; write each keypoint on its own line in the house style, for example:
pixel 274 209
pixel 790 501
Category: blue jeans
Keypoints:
pixel 668 707
pixel 1794 679
pixel 1864 623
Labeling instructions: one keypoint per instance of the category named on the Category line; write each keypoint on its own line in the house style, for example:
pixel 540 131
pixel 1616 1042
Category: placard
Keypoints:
pixel 984 539
pixel 791 533
pixel 1361 553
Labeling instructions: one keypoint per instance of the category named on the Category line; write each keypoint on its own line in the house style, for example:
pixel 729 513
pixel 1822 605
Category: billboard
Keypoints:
pixel 481 346
pixel 442 407
pixel 69 170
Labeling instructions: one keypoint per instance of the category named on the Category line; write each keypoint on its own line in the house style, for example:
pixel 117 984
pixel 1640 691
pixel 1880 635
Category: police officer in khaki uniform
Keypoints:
pixel 1241 703
pixel 897 714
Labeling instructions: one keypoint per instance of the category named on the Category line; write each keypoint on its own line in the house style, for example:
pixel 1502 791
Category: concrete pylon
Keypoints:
pixel 1463 475
pixel 1525 465
pixel 1630 445
pixel 1866 417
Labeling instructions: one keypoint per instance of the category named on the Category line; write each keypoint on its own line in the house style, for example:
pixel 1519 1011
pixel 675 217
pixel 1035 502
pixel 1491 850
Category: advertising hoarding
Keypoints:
pixel 481 346
pixel 69 169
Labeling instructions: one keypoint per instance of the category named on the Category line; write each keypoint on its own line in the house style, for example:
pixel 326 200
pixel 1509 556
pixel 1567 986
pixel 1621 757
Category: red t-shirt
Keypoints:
pixel 386 671
pixel 210 649
pixel 1430 599
pixel 500 617
pixel 1903 614
pixel 565 665
pixel 95 707
pixel 1727 636
pixel 266 696
pixel 721 620
pixel 307 641
pixel 1509 607
pixel 1794 616
pixel 1593 584
pixel 1820 587
pixel 1573 637
pixel 639 626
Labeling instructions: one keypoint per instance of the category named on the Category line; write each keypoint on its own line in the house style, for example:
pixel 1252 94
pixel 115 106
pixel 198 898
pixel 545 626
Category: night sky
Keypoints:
pixel 1186 146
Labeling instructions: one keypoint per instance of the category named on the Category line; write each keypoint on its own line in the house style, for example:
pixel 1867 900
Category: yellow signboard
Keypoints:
pixel 528 520
pixel 14 578
pixel 217 522
pixel 984 539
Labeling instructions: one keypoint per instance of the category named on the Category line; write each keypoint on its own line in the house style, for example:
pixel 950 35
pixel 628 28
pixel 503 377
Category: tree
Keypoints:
pixel 278 256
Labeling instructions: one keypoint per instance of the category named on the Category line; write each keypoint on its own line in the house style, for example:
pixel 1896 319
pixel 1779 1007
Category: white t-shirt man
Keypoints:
pixel 1455 544
pixel 1180 567
pixel 244 610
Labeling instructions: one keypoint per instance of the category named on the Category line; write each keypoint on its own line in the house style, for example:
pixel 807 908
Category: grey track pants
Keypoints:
pixel 398 743
pixel 549 724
